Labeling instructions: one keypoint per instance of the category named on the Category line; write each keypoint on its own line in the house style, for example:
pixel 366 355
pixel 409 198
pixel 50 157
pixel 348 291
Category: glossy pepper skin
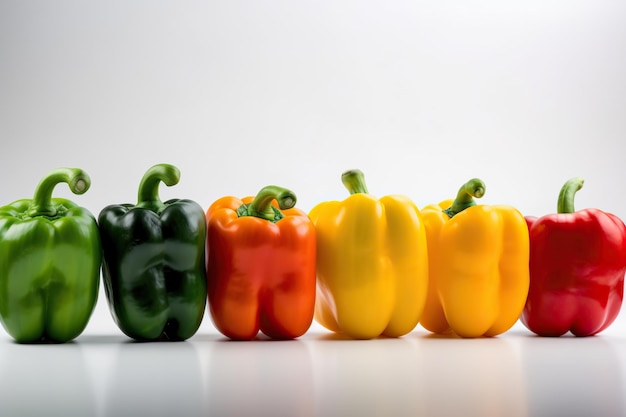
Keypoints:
pixel 478 258
pixel 372 263
pixel 49 263
pixel 260 266
pixel 577 266
pixel 153 267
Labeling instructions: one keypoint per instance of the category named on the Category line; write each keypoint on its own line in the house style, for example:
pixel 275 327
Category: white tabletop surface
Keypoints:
pixel 103 373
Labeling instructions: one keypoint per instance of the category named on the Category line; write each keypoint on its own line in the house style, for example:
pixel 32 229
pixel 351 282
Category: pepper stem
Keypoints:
pixel 566 196
pixel 354 180
pixel 262 208
pixel 465 197
pixel 77 179
pixel 148 194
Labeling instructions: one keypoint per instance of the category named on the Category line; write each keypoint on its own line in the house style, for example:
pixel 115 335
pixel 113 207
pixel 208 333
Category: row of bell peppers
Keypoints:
pixel 365 267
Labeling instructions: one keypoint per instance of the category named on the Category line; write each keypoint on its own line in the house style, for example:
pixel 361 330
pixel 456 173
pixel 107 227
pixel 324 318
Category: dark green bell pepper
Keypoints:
pixel 153 266
pixel 50 259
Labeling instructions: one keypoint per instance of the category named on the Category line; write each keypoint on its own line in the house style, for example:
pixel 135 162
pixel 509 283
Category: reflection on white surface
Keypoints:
pixel 321 374
pixel 48 380
pixel 419 374
pixel 573 376
pixel 475 377
pixel 259 378
pixel 150 379
pixel 380 377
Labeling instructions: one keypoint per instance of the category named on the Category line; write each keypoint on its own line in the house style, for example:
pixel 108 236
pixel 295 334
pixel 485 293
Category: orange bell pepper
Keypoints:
pixel 260 266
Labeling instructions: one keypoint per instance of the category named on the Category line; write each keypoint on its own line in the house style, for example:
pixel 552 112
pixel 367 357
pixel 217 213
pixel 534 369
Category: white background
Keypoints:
pixel 419 95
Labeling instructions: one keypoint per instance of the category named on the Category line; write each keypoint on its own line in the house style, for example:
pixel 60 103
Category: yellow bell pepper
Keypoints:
pixel 372 263
pixel 478 265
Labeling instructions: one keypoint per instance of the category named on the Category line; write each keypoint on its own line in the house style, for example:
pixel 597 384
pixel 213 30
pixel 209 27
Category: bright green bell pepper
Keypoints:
pixel 50 259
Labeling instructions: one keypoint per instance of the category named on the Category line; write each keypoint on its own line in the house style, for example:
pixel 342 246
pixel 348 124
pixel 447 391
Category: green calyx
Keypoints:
pixel 262 208
pixel 77 180
pixel 565 203
pixel 465 197
pixel 354 181
pixel 148 194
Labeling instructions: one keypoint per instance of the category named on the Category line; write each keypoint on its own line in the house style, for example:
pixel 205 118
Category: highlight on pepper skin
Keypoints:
pixel 153 267
pixel 260 265
pixel 372 263
pixel 577 268
pixel 478 257
pixel 50 259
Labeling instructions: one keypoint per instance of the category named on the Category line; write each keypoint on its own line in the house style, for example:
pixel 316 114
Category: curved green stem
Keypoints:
pixel 77 179
pixel 465 197
pixel 262 208
pixel 354 180
pixel 148 194
pixel 566 196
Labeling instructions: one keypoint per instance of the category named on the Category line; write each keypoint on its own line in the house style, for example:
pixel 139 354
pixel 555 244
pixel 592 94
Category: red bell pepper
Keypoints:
pixel 577 266
pixel 260 266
